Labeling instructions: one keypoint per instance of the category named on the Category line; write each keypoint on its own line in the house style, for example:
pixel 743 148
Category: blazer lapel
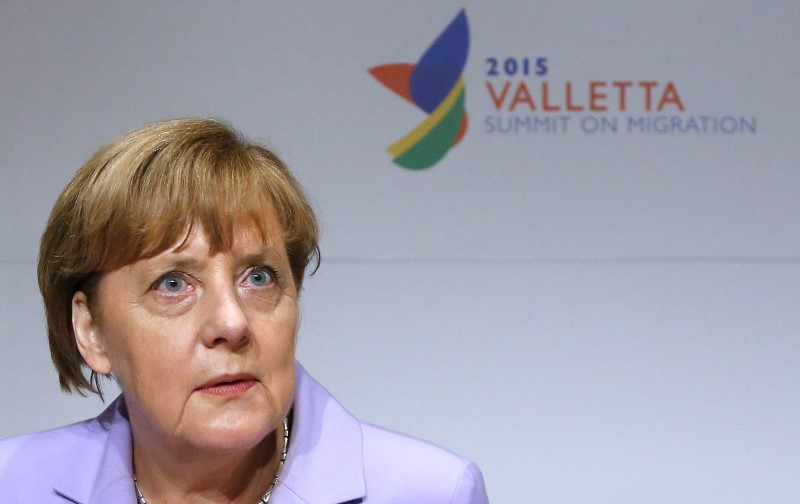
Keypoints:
pixel 104 462
pixel 325 461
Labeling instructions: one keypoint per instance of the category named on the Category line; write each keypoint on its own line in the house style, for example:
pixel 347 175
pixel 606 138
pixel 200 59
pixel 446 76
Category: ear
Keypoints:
pixel 87 335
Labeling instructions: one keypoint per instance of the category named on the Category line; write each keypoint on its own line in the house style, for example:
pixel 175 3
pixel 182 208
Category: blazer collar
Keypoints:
pixel 105 465
pixel 324 464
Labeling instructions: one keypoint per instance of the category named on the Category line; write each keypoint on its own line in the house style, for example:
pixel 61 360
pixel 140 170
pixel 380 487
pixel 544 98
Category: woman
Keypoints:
pixel 172 262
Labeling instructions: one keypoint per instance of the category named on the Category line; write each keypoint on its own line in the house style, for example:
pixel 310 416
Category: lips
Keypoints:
pixel 228 384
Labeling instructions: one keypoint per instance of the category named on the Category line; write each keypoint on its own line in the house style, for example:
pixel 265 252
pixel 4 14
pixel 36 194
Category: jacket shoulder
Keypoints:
pixel 31 462
pixel 29 448
pixel 396 465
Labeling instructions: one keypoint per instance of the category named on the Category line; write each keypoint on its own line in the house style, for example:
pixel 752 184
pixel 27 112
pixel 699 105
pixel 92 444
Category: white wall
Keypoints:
pixel 601 318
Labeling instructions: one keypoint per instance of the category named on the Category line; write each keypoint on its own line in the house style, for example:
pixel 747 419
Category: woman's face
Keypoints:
pixel 201 343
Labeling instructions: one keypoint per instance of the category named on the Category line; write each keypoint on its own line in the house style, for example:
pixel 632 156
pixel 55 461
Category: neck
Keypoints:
pixel 177 474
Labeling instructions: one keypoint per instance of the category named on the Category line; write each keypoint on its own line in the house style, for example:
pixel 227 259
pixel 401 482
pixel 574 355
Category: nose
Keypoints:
pixel 225 322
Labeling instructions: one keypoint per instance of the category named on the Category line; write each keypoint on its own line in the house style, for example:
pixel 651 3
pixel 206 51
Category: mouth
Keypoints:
pixel 228 384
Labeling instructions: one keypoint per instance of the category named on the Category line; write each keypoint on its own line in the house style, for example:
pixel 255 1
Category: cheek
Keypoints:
pixel 145 356
pixel 276 336
pixel 281 386
pixel 278 354
pixel 277 326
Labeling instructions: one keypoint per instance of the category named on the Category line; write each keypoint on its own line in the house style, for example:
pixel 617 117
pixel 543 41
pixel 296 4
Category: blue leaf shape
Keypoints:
pixel 440 67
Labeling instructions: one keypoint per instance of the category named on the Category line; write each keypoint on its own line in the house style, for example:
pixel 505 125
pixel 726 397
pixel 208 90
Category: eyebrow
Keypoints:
pixel 188 262
pixel 181 263
pixel 260 256
pixel 161 264
pixel 266 255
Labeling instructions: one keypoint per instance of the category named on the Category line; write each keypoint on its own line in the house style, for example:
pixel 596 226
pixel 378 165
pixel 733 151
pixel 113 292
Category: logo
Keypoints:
pixel 435 85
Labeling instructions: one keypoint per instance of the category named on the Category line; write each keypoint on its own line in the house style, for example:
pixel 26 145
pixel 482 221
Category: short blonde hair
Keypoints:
pixel 139 194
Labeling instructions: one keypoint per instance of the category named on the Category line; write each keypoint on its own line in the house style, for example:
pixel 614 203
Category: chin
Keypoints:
pixel 234 436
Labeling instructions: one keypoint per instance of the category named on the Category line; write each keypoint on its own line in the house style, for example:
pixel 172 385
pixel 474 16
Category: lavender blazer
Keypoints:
pixel 333 458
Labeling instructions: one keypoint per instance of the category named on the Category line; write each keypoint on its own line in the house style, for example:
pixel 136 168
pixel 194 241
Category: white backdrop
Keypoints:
pixel 594 316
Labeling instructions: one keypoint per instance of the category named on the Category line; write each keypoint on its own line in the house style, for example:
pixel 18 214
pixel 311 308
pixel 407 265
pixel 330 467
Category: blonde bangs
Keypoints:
pixel 173 195
pixel 176 185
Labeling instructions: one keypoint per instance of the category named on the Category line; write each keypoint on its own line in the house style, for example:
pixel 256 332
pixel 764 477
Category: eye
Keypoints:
pixel 171 282
pixel 260 276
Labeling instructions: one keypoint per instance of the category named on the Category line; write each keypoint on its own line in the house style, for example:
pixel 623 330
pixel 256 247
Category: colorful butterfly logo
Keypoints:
pixel 435 85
